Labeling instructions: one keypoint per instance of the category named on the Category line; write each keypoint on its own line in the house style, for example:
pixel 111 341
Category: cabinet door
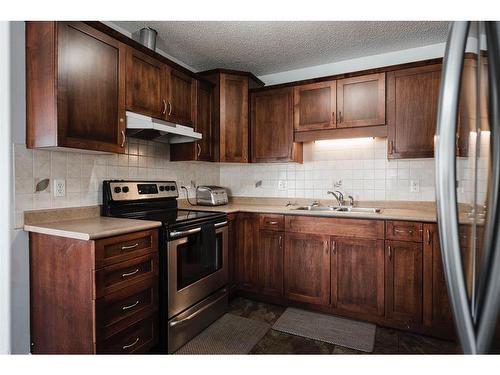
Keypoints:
pixel 412 111
pixel 182 97
pixel 90 88
pixel 436 309
pixel 358 275
pixel 232 249
pixel 315 106
pixel 403 264
pixel 307 268
pixel 145 85
pixel 202 149
pixel 233 118
pixel 361 101
pixel 271 126
pixel 271 262
pixel 247 256
pixel 204 121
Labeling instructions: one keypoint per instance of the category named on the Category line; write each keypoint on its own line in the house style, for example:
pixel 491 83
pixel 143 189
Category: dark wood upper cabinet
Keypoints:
pixel 233 115
pixel 403 288
pixel 358 275
pixel 231 135
pixel 181 101
pixel 75 84
pixel 412 101
pixel 361 101
pixel 307 268
pixel 271 127
pixel 437 311
pixel 247 254
pixel 201 150
pixel 145 85
pixel 315 106
pixel 271 247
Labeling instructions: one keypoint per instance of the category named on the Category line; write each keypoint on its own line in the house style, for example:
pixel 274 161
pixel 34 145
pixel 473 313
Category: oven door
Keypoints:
pixel 195 270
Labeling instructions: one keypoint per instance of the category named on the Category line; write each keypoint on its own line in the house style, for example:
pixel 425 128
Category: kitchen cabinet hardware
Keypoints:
pixel 126 274
pixel 389 248
pixel 128 307
pixel 131 345
pixel 123 138
pixel 128 247
pixel 164 111
pixel 170 108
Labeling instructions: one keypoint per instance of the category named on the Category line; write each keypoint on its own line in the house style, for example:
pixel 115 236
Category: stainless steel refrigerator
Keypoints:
pixel 467 148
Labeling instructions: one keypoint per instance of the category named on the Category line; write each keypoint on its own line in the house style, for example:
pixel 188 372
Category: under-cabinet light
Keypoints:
pixel 344 141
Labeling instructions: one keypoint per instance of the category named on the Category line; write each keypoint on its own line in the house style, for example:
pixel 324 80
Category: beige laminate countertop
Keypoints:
pixel 91 228
pixel 424 215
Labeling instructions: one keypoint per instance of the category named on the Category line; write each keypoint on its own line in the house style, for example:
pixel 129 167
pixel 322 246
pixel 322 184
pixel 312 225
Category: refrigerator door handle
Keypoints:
pixel 489 292
pixel 445 183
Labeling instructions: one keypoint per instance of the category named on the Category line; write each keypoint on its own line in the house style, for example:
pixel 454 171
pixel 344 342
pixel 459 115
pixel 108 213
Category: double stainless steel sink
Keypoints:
pixel 338 209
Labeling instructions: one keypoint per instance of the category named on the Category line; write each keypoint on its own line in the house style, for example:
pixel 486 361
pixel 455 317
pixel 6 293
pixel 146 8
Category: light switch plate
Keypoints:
pixel 59 188
pixel 282 185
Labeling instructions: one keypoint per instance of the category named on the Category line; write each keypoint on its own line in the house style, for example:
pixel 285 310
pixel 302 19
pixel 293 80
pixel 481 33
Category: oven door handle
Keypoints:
pixel 197 312
pixel 221 224
pixel 182 233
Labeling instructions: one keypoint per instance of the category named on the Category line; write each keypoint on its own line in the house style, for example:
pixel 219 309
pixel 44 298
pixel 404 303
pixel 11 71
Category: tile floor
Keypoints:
pixel 387 340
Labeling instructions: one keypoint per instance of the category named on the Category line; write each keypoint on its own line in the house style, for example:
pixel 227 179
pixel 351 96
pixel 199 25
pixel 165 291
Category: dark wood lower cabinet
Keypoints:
pixel 358 275
pixel 92 297
pixel 437 310
pixel 271 244
pixel 403 282
pixel 247 257
pixel 232 249
pixel 400 283
pixel 307 268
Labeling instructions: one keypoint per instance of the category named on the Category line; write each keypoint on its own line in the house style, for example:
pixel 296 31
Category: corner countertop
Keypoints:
pixel 91 228
pixel 423 212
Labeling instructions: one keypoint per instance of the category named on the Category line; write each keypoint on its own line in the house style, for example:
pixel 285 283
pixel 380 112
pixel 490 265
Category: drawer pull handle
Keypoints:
pixel 390 254
pixel 130 306
pixel 410 231
pixel 130 345
pixel 130 273
pixel 271 222
pixel 130 247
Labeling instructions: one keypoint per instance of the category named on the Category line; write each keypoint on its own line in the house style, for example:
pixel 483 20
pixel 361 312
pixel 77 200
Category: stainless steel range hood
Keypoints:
pixel 152 129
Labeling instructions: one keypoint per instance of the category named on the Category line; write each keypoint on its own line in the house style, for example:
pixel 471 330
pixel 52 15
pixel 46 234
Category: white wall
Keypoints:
pixel 368 62
pixel 5 191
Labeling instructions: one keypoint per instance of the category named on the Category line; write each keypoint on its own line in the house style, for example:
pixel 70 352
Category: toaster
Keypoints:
pixel 211 195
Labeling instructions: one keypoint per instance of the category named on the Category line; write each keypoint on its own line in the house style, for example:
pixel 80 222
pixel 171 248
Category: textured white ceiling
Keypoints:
pixel 264 47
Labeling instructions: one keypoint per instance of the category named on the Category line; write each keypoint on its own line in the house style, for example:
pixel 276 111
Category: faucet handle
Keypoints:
pixel 351 200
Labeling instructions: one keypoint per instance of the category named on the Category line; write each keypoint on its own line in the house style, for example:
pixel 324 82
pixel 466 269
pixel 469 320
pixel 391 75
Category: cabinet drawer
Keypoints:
pixel 272 222
pixel 120 248
pixel 137 338
pixel 121 275
pixel 404 231
pixel 356 228
pixel 118 310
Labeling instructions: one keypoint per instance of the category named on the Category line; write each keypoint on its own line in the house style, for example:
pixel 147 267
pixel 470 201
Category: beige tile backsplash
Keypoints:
pixel 362 167
pixel 84 173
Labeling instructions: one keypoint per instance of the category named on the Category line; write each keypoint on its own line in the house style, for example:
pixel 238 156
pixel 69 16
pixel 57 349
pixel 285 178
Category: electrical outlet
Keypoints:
pixel 281 185
pixel 59 188
pixel 414 186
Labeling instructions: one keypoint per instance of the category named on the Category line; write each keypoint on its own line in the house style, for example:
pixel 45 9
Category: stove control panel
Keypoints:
pixel 136 190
